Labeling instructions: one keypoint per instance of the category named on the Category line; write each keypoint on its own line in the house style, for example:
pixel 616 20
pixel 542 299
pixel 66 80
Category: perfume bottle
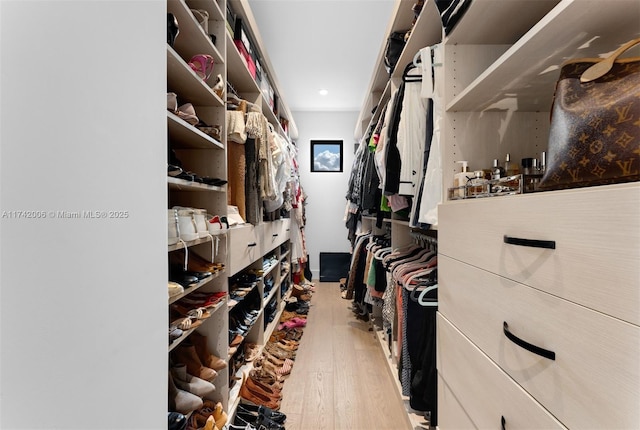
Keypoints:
pixel 497 171
pixel 461 179
pixel 478 185
pixel 510 168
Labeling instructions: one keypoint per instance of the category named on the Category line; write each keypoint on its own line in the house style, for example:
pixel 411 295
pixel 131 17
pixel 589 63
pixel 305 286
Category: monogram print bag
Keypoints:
pixel 595 123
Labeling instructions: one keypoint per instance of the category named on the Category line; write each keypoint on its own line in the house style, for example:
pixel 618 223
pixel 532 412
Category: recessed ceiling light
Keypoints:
pixel 323 92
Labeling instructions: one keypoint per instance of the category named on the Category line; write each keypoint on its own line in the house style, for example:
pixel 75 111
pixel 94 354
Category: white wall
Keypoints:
pixel 83 309
pixel 325 230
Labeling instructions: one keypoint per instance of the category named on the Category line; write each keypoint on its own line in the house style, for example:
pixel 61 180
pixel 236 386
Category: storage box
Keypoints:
pixel 240 33
pixel 231 20
pixel 248 59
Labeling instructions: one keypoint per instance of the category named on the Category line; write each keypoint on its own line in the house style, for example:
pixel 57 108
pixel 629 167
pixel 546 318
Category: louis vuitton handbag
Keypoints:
pixel 595 123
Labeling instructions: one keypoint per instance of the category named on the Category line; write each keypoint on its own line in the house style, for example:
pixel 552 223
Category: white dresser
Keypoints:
pixel 539 322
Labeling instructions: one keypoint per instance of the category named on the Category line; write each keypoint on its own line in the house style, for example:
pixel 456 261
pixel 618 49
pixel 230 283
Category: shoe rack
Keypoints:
pixel 252 261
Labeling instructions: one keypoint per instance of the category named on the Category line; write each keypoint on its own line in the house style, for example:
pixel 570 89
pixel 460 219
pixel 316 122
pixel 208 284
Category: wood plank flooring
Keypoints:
pixel 340 379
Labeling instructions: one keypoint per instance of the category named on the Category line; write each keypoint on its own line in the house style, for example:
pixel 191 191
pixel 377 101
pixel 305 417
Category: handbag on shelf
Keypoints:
pixel 594 138
pixel 393 50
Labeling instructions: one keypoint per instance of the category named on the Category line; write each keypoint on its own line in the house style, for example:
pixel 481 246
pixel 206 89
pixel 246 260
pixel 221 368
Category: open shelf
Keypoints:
pixel 191 330
pixel 183 81
pixel 192 39
pixel 185 136
pixel 191 288
pixel 190 243
pixel 184 185
pixel 524 77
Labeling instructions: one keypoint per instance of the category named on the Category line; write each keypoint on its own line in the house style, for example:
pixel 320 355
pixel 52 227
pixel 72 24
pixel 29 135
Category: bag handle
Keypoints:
pixel 601 68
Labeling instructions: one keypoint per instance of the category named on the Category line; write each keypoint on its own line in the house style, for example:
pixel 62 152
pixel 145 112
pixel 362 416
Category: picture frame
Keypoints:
pixel 326 156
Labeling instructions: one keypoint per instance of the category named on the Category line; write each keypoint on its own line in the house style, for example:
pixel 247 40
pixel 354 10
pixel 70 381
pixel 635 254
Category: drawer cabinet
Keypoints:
pixel 274 234
pixel 481 392
pixel 597 252
pixel 597 358
pixel 244 248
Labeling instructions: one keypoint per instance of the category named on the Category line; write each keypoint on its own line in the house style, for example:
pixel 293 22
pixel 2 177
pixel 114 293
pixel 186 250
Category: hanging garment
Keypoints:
pixel 411 132
pixel 415 208
pixel 251 184
pixel 432 184
pixel 393 162
pixel 236 177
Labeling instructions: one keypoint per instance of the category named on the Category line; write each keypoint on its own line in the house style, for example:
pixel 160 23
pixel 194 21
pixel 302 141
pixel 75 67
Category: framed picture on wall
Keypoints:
pixel 326 155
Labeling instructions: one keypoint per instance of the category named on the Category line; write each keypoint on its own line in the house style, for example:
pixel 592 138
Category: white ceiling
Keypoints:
pixel 316 44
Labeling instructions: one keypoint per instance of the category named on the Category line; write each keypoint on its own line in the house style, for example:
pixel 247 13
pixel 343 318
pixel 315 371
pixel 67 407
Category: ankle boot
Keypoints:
pixel 207 359
pixel 187 355
pixel 192 384
pixel 182 401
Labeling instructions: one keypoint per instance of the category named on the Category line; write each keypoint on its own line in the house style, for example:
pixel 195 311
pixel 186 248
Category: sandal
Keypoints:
pixel 202 65
pixel 187 113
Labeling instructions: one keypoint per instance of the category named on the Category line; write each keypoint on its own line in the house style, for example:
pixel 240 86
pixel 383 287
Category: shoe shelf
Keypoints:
pixel 233 301
pixel 183 81
pixel 269 269
pixel 272 293
pixel 193 287
pixel 181 245
pixel 184 185
pixel 186 334
pixel 192 39
pixel 185 136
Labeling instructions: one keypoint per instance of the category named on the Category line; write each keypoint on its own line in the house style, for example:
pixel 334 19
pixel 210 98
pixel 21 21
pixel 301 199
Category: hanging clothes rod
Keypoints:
pixel 424 239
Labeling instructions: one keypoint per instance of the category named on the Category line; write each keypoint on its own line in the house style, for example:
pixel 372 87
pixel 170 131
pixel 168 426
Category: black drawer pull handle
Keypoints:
pixel 251 244
pixel 503 423
pixel 547 244
pixel 526 345
pixel 275 235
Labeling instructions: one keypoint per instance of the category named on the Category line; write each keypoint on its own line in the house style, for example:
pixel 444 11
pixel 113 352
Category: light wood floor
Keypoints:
pixel 340 379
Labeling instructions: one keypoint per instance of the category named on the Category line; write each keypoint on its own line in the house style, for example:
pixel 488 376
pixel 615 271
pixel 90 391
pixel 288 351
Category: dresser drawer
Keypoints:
pixel 596 232
pixel 594 380
pixel 487 393
pixel 244 247
pixel 451 414
pixel 274 233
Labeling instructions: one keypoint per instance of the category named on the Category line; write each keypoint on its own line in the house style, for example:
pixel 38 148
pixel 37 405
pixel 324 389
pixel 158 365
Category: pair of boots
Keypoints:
pixel 195 355
pixel 182 401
